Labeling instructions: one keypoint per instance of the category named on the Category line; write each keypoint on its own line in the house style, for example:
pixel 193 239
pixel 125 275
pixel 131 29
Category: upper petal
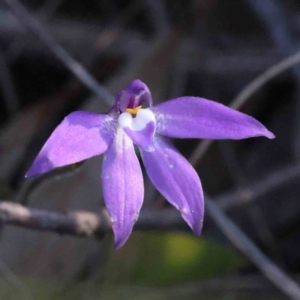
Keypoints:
pixel 79 136
pixel 123 187
pixel 176 180
pixel 134 95
pixel 192 117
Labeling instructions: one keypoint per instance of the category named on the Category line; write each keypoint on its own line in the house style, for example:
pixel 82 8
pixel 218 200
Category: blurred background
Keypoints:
pixel 208 48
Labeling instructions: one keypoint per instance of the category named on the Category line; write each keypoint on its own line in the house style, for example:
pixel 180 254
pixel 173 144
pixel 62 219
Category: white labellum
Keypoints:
pixel 143 117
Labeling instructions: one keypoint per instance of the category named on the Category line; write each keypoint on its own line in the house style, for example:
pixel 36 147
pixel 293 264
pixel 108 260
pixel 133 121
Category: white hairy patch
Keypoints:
pixel 143 117
pixel 161 119
pixel 109 125
pixel 122 142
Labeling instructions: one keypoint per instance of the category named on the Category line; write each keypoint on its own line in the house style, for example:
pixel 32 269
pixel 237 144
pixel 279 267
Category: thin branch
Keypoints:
pixel 265 234
pixel 241 241
pixel 260 188
pixel 83 223
pixel 45 13
pixel 32 24
pixel 233 232
pixel 79 223
pixel 278 277
pixel 271 15
pixel 237 237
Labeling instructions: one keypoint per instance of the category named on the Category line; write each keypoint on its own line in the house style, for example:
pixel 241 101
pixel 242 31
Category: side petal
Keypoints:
pixel 192 117
pixel 123 187
pixel 176 180
pixel 140 129
pixel 79 136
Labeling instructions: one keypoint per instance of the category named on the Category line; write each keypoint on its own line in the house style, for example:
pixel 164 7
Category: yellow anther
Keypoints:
pixel 134 111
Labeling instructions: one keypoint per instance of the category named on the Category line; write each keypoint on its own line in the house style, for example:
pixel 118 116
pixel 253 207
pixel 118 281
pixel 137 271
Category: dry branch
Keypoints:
pixel 83 223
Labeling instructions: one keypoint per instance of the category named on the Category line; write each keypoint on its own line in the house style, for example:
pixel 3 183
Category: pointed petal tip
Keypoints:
pixel 197 227
pixel 30 173
pixel 264 132
pixel 120 238
pixel 197 230
pixel 118 244
pixel 122 233
pixel 42 164
pixel 270 135
pixel 193 221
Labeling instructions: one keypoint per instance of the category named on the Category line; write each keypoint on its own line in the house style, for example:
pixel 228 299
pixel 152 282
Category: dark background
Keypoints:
pixel 207 48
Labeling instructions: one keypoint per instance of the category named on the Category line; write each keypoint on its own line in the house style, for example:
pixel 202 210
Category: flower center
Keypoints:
pixel 136 122
pixel 140 127
pixel 133 111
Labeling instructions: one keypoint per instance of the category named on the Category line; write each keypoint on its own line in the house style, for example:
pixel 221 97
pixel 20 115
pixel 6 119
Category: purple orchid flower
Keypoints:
pixel 82 135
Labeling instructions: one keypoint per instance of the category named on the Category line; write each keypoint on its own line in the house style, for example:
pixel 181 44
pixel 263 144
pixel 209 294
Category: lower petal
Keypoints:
pixel 123 187
pixel 176 180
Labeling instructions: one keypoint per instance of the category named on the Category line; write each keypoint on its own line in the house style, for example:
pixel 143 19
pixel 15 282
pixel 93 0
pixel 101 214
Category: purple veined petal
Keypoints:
pixel 140 128
pixel 79 136
pixel 176 180
pixel 133 96
pixel 192 117
pixel 123 187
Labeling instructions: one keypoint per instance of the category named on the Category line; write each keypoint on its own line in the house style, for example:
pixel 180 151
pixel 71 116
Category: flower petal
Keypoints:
pixel 192 117
pixel 123 187
pixel 133 96
pixel 140 129
pixel 176 180
pixel 80 135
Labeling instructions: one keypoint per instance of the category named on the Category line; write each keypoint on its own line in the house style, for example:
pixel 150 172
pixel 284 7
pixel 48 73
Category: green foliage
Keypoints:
pixel 165 259
pixel 150 266
pixel 180 258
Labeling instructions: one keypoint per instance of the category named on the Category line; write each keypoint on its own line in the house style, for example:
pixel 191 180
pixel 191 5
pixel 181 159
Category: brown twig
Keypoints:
pixel 83 223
